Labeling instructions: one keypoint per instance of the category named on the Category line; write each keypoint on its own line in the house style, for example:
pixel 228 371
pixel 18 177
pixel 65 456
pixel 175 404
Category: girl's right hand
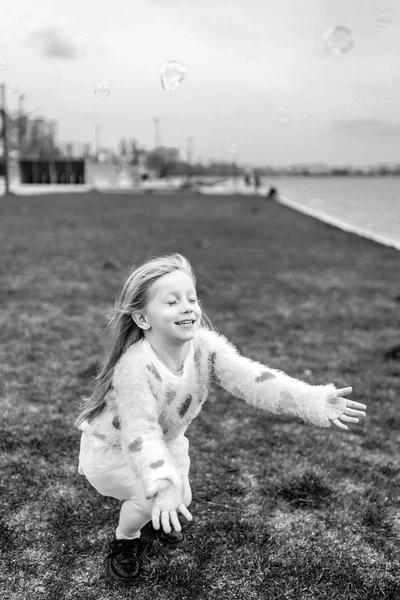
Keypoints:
pixel 166 502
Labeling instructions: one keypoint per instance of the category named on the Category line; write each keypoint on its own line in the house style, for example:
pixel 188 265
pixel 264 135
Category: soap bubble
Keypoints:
pixel 338 40
pixel 384 20
pixel 12 87
pixel 281 114
pixel 233 148
pixel 102 90
pixel 172 75
pixel 3 65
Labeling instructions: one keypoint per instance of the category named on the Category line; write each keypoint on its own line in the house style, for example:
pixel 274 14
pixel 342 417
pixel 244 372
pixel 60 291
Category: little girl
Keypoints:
pixel 153 382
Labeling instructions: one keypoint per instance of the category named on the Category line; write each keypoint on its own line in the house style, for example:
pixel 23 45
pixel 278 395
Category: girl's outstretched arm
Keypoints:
pixel 266 388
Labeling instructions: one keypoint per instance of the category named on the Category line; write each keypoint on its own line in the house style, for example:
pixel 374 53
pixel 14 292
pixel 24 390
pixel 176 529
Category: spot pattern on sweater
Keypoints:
pixel 286 396
pixel 197 358
pixel 264 376
pixel 153 391
pixel 136 445
pixel 170 396
pixel 211 367
pixel 286 405
pixel 157 465
pixel 154 371
pixel 116 422
pixel 185 406
pixel 210 362
pixel 163 423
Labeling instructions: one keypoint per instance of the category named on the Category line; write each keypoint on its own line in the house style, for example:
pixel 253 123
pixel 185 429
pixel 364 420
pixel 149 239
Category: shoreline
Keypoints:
pixel 339 223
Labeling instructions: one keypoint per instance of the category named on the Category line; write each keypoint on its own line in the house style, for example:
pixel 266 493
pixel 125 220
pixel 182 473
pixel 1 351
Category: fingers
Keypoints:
pixel 175 521
pixel 358 405
pixel 344 391
pixel 171 518
pixel 165 518
pixel 165 521
pixel 349 419
pixel 354 413
pixel 155 518
pixel 339 424
pixel 185 512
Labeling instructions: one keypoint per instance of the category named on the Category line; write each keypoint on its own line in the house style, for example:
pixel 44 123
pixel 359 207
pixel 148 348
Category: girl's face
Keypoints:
pixel 173 300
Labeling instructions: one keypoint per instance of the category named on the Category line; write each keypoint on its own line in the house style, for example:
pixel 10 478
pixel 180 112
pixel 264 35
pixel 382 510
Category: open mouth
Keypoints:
pixel 187 323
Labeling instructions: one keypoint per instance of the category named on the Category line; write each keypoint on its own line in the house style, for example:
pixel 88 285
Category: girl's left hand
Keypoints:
pixel 349 415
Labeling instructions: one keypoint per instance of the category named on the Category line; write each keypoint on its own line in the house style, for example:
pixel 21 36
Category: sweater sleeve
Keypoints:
pixel 269 389
pixel 141 434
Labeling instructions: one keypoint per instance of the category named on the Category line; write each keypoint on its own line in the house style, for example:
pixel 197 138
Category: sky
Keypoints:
pixel 257 76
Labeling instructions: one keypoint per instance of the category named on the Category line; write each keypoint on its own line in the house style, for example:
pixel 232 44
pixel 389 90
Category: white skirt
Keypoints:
pixel 108 471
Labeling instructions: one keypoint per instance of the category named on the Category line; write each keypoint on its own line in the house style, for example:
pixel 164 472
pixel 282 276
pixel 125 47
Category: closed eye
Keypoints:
pixel 174 301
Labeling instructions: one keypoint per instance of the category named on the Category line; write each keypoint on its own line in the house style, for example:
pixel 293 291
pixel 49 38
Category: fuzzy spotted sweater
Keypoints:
pixel 147 405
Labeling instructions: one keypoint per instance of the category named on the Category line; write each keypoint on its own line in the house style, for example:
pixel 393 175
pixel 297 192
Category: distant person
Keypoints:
pixel 256 178
pixel 144 177
pixel 163 357
pixel 272 193
pixel 247 179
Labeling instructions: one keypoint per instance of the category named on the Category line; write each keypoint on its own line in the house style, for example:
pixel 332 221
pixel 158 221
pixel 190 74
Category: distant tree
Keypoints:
pixel 122 148
pixel 383 170
pixel 135 152
pixel 162 160
pixel 129 151
pixel 342 171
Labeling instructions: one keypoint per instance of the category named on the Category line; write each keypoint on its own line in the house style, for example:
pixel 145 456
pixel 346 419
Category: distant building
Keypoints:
pixel 87 150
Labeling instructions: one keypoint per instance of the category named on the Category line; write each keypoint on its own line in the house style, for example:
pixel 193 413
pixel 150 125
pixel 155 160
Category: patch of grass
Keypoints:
pixel 308 489
pixel 282 510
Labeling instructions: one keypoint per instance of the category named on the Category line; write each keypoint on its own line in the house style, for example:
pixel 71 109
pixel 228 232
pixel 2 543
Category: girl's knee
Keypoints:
pixel 143 508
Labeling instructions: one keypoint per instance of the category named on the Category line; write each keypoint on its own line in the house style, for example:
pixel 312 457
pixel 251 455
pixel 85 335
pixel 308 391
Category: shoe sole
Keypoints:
pixel 172 546
pixel 158 535
pixel 122 579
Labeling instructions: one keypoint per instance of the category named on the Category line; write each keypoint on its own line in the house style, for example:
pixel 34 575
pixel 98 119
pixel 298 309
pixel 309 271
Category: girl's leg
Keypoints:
pixel 131 521
pixel 136 511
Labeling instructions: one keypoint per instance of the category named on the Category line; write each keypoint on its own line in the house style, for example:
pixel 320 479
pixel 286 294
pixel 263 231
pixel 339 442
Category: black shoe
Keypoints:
pixel 125 563
pixel 175 539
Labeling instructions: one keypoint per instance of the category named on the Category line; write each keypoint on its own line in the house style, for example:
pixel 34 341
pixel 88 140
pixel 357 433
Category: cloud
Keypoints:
pixel 226 19
pixel 52 45
pixel 366 128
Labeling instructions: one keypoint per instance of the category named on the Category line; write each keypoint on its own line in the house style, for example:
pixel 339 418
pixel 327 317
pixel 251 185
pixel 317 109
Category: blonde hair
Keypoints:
pixel 124 330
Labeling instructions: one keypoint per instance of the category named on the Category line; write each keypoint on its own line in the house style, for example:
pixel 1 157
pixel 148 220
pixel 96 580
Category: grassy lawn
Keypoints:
pixel 282 510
